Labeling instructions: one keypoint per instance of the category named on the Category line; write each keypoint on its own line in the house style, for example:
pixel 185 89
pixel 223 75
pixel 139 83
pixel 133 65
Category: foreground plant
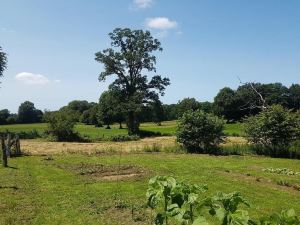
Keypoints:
pixel 225 208
pixel 186 204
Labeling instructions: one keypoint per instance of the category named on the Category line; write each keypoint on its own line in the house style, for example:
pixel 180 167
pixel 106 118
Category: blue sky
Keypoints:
pixel 207 45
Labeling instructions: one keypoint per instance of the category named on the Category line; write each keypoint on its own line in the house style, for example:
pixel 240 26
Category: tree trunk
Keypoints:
pixel 8 145
pixel 133 125
pixel 4 156
pixel 120 127
pixel 107 127
pixel 17 144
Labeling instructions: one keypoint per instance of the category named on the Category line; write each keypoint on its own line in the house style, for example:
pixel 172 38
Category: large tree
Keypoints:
pixel 3 62
pixel 294 94
pixel 129 58
pixel 27 113
pixel 226 104
pixel 110 108
pixel 187 104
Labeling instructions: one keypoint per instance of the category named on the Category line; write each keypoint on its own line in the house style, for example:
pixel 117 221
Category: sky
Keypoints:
pixel 207 44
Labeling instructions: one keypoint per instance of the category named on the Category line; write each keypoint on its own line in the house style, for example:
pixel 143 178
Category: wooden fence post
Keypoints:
pixel 8 145
pixel 17 144
pixel 4 156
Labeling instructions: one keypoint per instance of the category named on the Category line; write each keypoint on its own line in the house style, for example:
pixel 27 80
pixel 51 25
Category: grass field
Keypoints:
pixel 167 128
pixel 69 189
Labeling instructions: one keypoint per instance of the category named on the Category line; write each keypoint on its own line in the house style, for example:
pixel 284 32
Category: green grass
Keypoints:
pixel 234 129
pixel 35 191
pixel 167 128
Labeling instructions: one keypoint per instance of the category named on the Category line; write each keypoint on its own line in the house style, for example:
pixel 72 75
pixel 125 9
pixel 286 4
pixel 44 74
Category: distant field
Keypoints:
pixel 167 128
pixel 64 191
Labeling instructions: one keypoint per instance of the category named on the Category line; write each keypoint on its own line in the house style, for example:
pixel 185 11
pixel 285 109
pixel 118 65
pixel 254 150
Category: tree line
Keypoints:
pixel 233 105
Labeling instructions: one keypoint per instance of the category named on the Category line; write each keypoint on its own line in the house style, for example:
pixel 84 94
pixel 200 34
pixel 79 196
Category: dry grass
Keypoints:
pixel 235 141
pixel 39 147
pixel 36 147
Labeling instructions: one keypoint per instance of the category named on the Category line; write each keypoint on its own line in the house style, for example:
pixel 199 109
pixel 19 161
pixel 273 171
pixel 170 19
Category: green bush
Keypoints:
pixel 61 127
pixel 200 132
pixel 273 131
pixel 23 134
pixel 124 137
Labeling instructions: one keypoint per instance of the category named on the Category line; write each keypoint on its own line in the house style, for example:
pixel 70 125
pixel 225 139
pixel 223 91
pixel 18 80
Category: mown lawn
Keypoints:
pixel 94 133
pixel 62 191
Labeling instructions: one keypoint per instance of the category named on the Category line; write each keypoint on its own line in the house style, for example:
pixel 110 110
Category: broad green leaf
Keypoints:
pixel 200 221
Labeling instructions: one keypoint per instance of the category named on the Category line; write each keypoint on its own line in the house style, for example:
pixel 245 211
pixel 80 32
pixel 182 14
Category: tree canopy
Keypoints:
pixel 27 113
pixel 3 61
pixel 131 56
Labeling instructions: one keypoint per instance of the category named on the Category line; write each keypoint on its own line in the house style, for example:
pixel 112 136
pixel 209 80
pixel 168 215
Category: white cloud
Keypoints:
pixel 57 81
pixel 142 4
pixel 32 78
pixel 160 23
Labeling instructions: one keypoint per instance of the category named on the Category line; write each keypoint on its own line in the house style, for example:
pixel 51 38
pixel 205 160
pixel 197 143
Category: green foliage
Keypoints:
pixel 186 204
pixel 225 208
pixel 294 96
pixel 187 104
pixel 61 126
pixel 27 113
pixel 4 115
pixel 76 108
pixel 226 104
pixel 131 54
pixel 90 116
pixel 124 137
pixel 111 108
pixel 273 129
pixel 3 61
pixel 179 200
pixel 199 131
pixel 286 217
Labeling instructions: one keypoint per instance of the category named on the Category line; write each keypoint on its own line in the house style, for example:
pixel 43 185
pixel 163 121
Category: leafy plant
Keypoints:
pixel 182 202
pixel 286 217
pixel 225 208
pixel 160 189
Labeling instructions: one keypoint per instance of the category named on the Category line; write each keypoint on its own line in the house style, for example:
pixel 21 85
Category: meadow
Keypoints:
pixel 110 188
pixel 168 128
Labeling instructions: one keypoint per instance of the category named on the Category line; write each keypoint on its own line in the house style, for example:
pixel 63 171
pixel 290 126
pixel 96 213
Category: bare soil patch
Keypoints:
pixel 110 172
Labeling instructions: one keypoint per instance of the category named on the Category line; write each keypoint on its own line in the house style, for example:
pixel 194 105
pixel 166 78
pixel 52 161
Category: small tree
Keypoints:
pixel 199 131
pixel 273 129
pixel 61 126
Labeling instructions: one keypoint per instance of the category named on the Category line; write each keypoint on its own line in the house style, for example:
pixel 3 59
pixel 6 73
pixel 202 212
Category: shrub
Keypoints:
pixel 200 132
pixel 274 130
pixel 124 137
pixel 61 127
pixel 23 134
